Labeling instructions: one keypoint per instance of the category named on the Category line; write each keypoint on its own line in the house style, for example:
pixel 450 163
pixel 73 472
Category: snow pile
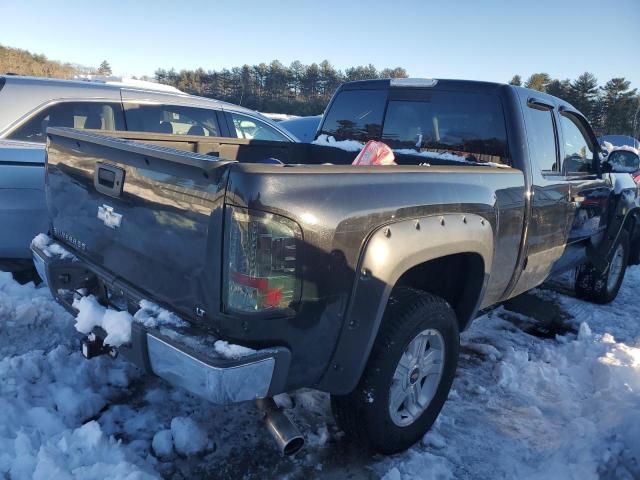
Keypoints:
pixel 347 145
pixel 229 350
pixel 50 249
pixel 188 437
pixel 554 408
pixel 434 155
pixel 611 147
pixel 420 466
pixel 49 395
pixel 117 324
pixel 185 437
pixel 83 453
pixel 91 314
pixel 448 156
pixel 521 406
pixel 151 316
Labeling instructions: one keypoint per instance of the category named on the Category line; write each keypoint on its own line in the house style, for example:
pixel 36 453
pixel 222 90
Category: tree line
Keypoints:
pixel 23 62
pixel 306 89
pixel 612 108
pixel 296 89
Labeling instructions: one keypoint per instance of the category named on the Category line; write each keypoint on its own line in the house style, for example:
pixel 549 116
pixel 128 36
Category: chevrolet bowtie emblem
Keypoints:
pixel 110 218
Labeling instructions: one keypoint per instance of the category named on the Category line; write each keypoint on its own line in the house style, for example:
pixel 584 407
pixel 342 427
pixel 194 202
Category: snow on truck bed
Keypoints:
pixel 521 407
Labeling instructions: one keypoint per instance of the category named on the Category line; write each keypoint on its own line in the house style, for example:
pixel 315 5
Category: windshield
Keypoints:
pixel 624 161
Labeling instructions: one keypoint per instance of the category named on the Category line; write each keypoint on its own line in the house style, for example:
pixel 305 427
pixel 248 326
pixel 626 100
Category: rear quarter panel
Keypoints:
pixel 338 208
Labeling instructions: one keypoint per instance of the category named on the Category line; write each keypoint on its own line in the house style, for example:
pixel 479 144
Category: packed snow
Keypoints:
pixel 117 324
pixel 50 249
pixel 563 406
pixel 151 316
pixel 229 350
pixel 347 145
pixel 91 314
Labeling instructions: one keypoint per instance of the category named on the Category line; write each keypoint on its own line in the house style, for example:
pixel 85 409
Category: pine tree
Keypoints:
pixel 538 81
pixel 619 104
pixel 516 80
pixel 583 94
pixel 560 89
pixel 104 69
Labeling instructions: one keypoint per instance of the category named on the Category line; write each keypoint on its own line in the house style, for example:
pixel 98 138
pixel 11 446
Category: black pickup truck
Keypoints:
pixel 354 280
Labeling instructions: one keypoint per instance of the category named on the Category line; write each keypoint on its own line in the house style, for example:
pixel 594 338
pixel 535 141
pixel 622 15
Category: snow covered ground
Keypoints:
pixel 557 399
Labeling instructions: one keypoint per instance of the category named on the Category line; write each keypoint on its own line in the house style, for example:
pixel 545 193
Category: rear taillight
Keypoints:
pixel 636 177
pixel 262 261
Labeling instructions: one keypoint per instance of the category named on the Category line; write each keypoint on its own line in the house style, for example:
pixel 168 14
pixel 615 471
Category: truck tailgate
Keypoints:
pixel 146 214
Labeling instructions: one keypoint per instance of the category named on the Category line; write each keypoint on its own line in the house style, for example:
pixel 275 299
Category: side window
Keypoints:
pixel 83 115
pixel 253 129
pixel 175 119
pixel 356 115
pixel 467 125
pixel 541 137
pixel 578 151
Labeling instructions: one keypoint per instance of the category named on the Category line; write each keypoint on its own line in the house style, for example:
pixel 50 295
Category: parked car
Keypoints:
pixel 29 105
pixel 304 128
pixel 620 141
pixel 354 280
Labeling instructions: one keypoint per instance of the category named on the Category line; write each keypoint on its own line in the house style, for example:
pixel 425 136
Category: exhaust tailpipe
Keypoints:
pixel 284 432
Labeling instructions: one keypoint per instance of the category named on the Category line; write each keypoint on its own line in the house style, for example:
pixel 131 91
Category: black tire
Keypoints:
pixel 364 413
pixel 598 287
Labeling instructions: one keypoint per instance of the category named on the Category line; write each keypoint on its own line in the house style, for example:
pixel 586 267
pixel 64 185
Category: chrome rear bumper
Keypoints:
pixel 168 351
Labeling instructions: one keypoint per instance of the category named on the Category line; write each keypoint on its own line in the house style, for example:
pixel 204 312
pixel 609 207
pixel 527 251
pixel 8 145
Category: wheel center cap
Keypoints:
pixel 414 375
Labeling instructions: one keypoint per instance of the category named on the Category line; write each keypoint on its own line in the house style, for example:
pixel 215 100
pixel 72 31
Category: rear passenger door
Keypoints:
pixel 549 221
pixel 569 197
pixel 590 194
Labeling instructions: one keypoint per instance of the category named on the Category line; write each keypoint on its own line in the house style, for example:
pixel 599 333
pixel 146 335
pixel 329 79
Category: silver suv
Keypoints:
pixel 29 105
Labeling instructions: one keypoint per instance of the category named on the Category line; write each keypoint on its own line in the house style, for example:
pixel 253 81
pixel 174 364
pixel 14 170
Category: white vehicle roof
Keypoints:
pixel 21 96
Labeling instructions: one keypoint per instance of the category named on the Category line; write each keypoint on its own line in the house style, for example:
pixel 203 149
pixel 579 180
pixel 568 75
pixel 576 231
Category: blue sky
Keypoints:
pixel 486 40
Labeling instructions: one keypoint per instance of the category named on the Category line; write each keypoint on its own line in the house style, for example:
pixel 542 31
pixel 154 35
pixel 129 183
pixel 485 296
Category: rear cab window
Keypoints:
pixel 436 124
pixel 356 115
pixel 463 126
pixel 541 136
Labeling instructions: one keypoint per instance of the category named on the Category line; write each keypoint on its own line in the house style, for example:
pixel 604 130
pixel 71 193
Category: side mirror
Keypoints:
pixel 606 167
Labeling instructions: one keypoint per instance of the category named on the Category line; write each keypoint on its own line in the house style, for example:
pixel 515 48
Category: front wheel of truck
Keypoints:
pixel 408 375
pixel 603 287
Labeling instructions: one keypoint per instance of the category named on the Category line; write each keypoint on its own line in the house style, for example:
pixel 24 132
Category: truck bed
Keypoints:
pixel 164 233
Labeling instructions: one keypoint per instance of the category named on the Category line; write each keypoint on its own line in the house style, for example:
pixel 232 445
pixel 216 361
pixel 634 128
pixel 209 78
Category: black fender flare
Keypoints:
pixel 390 251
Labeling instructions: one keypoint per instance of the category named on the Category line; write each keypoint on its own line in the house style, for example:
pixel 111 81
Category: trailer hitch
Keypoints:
pixel 93 346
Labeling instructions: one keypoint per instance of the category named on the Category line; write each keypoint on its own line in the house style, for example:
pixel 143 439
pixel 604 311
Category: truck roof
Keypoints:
pixel 415 83
pixel 426 83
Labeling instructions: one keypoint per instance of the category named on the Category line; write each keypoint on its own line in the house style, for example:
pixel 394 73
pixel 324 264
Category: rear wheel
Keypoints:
pixel 408 375
pixel 603 287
